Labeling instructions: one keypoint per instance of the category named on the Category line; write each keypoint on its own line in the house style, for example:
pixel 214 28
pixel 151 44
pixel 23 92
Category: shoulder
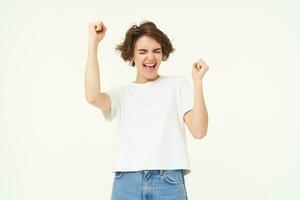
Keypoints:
pixel 177 80
pixel 173 77
pixel 115 91
pixel 178 83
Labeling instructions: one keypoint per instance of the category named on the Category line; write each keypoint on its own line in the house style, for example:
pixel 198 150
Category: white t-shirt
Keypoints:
pixel 151 132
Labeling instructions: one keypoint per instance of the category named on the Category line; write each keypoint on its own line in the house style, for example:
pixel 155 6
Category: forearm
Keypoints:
pixel 92 76
pixel 199 114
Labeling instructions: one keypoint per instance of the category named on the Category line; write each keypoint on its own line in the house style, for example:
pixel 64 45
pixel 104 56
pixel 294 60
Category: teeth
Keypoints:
pixel 149 65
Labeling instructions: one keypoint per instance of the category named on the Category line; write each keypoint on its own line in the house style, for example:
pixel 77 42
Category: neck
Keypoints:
pixel 140 79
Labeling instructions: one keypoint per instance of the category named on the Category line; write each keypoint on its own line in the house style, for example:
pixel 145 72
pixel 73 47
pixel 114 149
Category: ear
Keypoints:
pixel 131 59
pixel 132 62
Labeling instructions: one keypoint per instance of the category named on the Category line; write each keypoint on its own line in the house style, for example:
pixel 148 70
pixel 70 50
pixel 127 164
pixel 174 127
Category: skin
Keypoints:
pixel 197 118
pixel 147 51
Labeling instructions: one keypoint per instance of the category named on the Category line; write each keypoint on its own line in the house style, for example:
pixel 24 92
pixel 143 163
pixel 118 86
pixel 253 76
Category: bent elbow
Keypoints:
pixel 90 100
pixel 199 135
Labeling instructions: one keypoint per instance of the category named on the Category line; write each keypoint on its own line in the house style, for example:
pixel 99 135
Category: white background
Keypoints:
pixel 54 145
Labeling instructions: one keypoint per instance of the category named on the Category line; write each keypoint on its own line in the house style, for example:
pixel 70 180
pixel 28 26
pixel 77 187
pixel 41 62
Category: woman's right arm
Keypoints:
pixel 93 92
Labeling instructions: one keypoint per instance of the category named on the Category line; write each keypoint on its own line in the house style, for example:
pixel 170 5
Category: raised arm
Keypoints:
pixel 93 92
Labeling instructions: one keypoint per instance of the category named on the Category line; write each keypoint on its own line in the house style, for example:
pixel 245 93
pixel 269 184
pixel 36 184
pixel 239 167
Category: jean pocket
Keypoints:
pixel 119 174
pixel 173 176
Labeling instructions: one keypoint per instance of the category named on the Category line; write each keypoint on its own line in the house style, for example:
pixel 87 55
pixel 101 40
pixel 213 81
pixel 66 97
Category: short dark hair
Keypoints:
pixel 126 48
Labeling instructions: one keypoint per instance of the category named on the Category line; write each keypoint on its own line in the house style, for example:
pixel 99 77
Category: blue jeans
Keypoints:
pixel 149 185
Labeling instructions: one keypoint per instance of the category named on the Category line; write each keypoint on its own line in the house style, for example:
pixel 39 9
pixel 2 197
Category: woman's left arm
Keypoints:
pixel 197 119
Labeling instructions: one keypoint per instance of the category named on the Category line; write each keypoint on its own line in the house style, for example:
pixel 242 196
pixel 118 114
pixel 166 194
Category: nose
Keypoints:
pixel 151 57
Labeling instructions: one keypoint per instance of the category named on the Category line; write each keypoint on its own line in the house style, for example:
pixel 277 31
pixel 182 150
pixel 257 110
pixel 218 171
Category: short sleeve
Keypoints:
pixel 114 95
pixel 186 97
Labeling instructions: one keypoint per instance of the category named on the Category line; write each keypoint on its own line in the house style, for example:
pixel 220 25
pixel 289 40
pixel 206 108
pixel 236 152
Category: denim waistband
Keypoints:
pixel 159 171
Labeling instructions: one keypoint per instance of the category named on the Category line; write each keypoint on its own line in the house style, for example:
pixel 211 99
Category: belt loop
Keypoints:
pixel 182 174
pixel 161 172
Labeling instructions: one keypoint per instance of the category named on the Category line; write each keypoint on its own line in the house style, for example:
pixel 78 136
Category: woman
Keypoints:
pixel 151 157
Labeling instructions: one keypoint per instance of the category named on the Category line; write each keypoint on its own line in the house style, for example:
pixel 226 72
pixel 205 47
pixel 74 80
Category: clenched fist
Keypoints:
pixel 96 31
pixel 199 70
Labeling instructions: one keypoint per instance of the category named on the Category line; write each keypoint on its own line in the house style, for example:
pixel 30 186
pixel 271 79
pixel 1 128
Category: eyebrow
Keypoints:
pixel 146 49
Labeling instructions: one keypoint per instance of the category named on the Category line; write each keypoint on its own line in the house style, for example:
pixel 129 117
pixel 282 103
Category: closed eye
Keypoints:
pixel 143 52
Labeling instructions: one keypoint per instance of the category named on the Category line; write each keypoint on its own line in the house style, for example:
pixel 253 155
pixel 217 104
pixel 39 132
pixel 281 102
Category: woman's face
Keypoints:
pixel 147 57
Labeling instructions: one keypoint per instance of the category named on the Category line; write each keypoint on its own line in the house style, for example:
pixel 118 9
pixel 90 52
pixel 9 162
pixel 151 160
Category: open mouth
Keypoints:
pixel 150 66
